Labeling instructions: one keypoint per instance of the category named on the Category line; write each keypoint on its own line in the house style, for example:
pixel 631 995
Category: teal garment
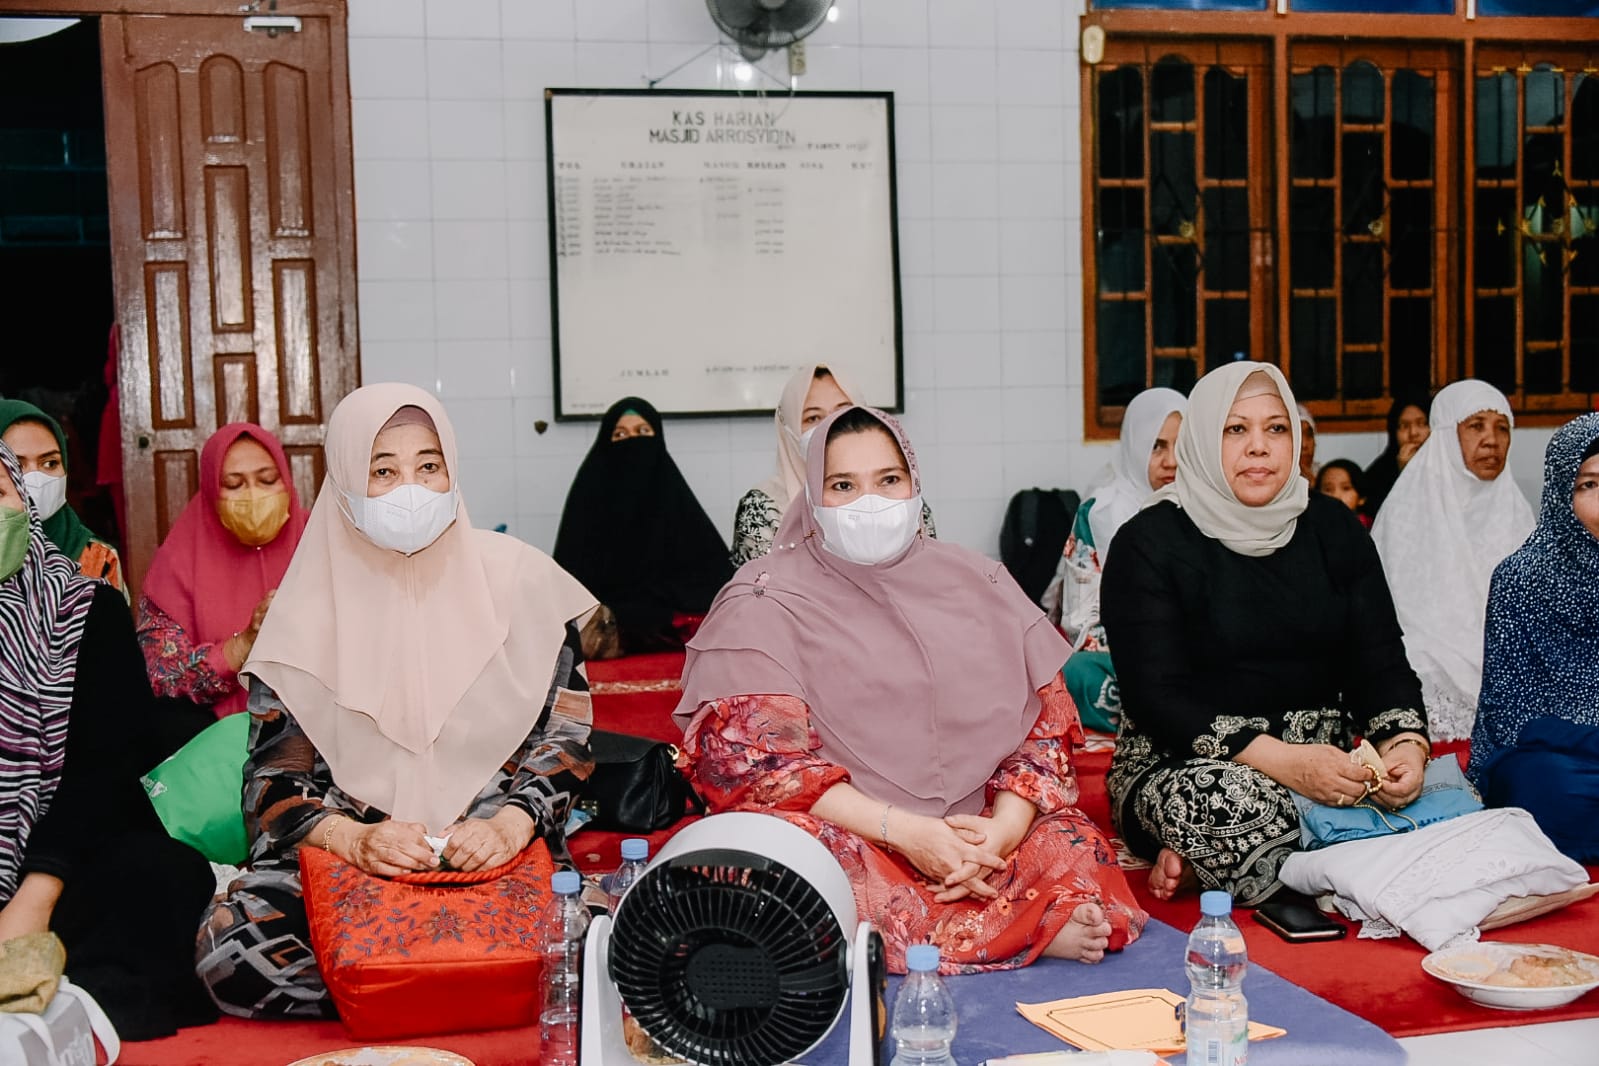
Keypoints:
pixel 1091 680
pixel 1080 527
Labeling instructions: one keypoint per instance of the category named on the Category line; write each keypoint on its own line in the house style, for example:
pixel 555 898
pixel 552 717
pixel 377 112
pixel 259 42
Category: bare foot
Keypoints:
pixel 1084 938
pixel 1170 875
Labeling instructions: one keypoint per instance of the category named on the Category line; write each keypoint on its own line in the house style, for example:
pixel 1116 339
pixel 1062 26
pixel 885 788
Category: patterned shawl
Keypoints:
pixel 44 607
pixel 1541 653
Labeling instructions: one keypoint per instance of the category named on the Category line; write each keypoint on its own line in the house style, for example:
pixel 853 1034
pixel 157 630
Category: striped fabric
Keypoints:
pixel 43 609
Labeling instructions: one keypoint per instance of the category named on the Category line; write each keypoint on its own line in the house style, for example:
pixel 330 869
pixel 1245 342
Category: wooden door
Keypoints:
pixel 232 222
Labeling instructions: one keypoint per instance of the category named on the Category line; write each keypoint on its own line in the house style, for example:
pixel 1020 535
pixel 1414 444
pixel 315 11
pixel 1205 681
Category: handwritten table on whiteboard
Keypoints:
pixel 704 244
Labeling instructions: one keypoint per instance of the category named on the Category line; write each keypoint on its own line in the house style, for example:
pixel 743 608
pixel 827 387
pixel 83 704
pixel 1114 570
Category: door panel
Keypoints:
pixel 234 276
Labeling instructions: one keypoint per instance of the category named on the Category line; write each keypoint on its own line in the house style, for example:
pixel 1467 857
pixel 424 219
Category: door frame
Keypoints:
pixel 336 13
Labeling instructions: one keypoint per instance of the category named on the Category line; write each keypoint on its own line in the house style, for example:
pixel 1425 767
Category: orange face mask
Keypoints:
pixel 255 518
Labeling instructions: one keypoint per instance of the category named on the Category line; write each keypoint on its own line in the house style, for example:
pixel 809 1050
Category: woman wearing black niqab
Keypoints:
pixel 636 536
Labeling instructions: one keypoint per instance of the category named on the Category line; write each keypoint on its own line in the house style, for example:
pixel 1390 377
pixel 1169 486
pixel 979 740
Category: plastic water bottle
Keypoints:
pixel 923 1025
pixel 568 923
pixel 635 856
pixel 1218 1014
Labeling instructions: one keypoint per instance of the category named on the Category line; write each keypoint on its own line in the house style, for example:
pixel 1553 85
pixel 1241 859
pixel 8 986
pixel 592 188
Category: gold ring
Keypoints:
pixel 1342 799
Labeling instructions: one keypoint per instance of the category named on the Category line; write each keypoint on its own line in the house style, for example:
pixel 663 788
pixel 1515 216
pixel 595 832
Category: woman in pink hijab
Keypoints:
pixel 901 700
pixel 212 579
pixel 415 677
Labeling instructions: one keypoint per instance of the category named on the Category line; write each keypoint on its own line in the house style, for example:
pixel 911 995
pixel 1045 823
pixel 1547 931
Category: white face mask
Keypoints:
pixel 805 440
pixel 870 529
pixel 47 491
pixel 406 519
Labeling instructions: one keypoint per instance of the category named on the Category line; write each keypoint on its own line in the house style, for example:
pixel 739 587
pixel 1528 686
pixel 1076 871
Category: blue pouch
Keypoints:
pixel 1444 795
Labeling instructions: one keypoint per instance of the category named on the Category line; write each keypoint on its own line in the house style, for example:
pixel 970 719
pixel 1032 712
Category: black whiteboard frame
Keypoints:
pixel 699 94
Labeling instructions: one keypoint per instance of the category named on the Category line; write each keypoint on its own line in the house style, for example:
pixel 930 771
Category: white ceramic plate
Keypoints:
pixel 1478 972
pixel 390 1055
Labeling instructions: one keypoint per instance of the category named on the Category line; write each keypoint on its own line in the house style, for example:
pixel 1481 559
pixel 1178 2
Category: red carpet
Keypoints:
pixel 1380 980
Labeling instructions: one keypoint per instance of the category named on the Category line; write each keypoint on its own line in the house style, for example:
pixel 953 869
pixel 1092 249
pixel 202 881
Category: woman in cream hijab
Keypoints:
pixel 812 392
pixel 1454 514
pixel 401 687
pixel 1254 638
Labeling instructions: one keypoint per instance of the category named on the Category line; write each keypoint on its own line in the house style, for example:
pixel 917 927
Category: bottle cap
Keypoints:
pixel 921 958
pixel 566 883
pixel 1215 904
pixel 635 849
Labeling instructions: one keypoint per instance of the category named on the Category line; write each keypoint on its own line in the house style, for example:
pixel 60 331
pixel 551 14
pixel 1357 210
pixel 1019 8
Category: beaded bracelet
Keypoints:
pixel 882 827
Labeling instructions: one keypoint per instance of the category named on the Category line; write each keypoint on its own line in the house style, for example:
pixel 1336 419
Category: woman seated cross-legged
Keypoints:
pixel 82 853
pixel 1536 742
pixel 900 699
pixel 401 685
pixel 1255 639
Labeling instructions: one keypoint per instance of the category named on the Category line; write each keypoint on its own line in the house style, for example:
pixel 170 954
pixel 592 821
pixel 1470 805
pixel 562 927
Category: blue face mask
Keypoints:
pixel 13 541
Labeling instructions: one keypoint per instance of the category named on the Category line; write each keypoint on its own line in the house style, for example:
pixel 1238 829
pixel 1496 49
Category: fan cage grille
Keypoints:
pixel 729 959
pixel 749 22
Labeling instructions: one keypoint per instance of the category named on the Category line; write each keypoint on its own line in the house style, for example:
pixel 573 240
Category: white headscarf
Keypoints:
pixel 789 479
pixel 1201 488
pixel 1440 533
pixel 1124 491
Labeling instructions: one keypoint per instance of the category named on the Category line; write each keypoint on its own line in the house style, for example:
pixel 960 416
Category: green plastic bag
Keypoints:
pixel 199 791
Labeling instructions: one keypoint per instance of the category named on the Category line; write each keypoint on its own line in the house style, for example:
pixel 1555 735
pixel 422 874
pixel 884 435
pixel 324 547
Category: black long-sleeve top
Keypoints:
pixel 1213 648
pixel 109 746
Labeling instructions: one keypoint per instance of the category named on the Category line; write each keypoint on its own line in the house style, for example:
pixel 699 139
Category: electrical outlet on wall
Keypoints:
pixel 796 59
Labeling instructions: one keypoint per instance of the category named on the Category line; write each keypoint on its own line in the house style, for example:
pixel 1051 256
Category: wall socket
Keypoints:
pixel 796 59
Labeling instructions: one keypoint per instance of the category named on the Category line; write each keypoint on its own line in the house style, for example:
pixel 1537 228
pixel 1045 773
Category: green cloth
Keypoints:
pixel 199 792
pixel 64 528
pixel 1091 680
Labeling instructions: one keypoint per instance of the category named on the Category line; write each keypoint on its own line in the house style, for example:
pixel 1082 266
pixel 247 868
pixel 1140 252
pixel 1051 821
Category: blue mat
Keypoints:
pixel 1319 1033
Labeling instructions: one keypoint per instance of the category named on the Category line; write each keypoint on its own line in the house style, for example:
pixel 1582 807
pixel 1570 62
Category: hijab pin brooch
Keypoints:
pixel 760 583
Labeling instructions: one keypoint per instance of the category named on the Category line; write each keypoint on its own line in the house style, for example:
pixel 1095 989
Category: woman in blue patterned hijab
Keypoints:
pixel 1536 742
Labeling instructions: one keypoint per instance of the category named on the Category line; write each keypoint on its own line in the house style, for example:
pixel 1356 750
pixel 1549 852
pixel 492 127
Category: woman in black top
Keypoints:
pixel 82 853
pixel 1255 641
pixel 635 535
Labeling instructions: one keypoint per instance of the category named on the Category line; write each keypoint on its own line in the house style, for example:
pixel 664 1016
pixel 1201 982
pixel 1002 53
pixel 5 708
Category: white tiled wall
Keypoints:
pixel 454 291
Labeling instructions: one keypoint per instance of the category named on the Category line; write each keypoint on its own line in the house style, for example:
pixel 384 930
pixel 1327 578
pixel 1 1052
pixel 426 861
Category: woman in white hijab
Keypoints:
pixel 1453 515
pixel 1254 639
pixel 1144 461
pixel 415 677
pixel 812 392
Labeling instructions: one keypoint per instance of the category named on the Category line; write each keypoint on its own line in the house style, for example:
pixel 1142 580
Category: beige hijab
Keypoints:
pixel 414 676
pixel 1201 488
pixel 789 479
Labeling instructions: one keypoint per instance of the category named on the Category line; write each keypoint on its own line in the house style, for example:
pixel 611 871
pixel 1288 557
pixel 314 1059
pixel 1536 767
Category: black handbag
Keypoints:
pixel 636 786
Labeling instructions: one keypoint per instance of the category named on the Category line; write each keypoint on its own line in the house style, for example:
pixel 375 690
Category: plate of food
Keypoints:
pixel 389 1055
pixel 1515 976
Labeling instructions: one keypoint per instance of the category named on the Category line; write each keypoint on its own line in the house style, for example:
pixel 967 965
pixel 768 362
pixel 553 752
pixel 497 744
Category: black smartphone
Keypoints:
pixel 1297 922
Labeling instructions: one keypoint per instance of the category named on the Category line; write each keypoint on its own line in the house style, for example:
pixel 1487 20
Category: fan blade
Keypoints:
pixel 735 15
pixel 800 17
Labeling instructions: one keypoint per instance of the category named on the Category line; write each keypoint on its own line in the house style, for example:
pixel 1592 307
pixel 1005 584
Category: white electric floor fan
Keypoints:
pixel 739 946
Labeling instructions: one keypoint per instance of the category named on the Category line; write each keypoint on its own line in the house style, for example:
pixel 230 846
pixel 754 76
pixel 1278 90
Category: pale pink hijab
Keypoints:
pixel 921 674
pixel 785 484
pixel 414 676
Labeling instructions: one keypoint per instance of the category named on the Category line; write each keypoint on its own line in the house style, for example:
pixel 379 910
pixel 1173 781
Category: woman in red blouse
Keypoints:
pixel 901 699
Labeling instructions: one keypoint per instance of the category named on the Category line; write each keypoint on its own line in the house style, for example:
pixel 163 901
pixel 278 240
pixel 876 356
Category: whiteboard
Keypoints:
pixel 704 244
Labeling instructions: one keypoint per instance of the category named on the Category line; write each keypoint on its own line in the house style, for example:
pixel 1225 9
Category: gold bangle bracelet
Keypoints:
pixel 327 832
pixel 1426 749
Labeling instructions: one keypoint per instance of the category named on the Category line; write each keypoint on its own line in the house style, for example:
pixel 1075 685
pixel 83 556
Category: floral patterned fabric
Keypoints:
pixel 179 667
pixel 760 753
pixel 254 950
